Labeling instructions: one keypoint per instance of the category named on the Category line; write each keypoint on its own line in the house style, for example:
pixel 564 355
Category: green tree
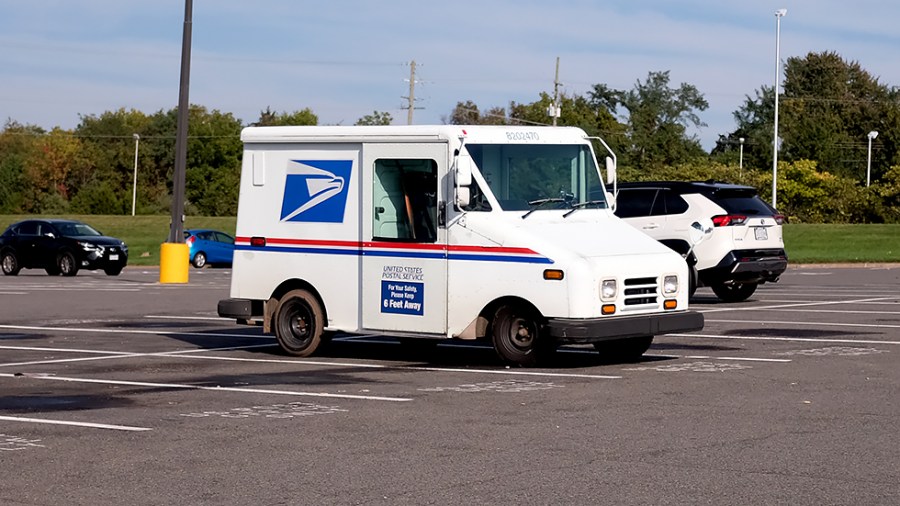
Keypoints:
pixel 16 142
pixel 376 118
pixel 755 119
pixel 296 118
pixel 657 119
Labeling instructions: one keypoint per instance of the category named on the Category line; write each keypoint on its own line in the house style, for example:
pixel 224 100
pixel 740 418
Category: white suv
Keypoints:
pixel 745 248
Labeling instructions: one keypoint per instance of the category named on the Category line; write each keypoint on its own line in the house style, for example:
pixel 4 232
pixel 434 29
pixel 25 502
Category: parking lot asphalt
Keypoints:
pixel 121 390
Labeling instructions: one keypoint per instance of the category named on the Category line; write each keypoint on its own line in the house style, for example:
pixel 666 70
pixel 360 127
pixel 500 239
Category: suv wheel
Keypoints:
pixel 734 293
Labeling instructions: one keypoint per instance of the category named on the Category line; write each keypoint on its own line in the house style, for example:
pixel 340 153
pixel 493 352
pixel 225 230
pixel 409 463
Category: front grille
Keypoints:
pixel 640 291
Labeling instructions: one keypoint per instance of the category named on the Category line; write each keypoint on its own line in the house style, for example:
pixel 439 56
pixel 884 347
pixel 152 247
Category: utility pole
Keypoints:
pixel 411 99
pixel 554 107
pixel 173 266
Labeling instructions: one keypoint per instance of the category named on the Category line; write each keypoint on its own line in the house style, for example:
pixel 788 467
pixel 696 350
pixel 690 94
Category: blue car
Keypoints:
pixel 209 247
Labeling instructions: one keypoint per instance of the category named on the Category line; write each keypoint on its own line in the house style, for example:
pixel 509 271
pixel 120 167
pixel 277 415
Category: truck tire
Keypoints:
pixel 624 350
pixel 66 264
pixel 517 339
pixel 299 323
pixel 734 293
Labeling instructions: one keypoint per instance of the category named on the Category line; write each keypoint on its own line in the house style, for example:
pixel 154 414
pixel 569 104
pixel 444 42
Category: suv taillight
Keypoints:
pixel 779 219
pixel 727 220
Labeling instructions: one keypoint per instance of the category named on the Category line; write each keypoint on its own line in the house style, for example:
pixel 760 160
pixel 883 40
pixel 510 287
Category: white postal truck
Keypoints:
pixel 446 232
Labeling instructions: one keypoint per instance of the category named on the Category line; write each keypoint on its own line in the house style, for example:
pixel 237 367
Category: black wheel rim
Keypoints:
pixel 298 325
pixel 520 333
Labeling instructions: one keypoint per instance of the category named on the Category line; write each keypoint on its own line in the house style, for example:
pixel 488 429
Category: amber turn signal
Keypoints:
pixel 670 304
pixel 554 274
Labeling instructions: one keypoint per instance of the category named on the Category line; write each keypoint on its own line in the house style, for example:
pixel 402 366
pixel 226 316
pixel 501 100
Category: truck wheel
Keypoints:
pixel 299 323
pixel 10 263
pixel 66 264
pixel 734 293
pixel 516 334
pixel 624 350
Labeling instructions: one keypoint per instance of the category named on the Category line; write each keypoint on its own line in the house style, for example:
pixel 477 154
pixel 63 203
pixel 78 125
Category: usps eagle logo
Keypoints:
pixel 316 190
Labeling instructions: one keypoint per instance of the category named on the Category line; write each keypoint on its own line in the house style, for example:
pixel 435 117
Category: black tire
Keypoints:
pixel 67 264
pixel 113 271
pixel 199 260
pixel 693 280
pixel 624 350
pixel 299 323
pixel 517 338
pixel 9 263
pixel 734 293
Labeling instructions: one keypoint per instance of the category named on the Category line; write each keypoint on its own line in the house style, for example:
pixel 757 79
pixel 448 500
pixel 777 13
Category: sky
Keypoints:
pixel 61 60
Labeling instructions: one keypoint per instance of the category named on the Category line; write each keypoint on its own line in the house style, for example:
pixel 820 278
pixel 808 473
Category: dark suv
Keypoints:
pixel 745 248
pixel 59 247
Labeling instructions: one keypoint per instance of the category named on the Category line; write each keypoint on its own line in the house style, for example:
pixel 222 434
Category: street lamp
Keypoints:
pixel 780 13
pixel 871 137
pixel 741 159
pixel 137 141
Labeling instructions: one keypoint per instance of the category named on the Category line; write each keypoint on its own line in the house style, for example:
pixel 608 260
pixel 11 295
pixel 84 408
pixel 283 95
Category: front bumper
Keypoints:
pixel 593 330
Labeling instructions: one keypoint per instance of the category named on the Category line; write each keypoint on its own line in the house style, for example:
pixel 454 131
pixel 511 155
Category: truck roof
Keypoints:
pixel 489 134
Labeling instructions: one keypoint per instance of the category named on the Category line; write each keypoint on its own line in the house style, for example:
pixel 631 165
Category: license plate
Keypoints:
pixel 760 233
pixel 114 257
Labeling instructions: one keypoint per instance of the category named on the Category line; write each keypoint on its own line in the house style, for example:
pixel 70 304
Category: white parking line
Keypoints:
pixel 824 324
pixel 201 387
pixel 805 304
pixel 711 357
pixel 210 318
pixel 78 424
pixel 113 354
pixel 838 311
pixel 788 339
pixel 134 331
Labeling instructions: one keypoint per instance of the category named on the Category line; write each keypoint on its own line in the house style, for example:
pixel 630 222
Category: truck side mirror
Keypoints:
pixel 610 170
pixel 463 180
pixel 463 170
pixel 463 196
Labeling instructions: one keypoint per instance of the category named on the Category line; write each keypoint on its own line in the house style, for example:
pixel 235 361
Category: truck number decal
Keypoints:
pixel 522 136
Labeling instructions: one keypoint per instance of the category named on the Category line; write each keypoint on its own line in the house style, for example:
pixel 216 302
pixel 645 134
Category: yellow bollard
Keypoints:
pixel 173 262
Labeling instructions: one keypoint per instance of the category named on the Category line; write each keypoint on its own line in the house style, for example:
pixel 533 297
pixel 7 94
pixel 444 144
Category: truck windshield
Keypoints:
pixel 533 177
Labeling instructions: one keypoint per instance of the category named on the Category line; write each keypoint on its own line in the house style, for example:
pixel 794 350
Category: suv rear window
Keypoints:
pixel 741 202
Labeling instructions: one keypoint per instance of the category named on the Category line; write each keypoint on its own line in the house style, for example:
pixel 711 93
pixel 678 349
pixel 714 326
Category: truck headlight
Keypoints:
pixel 608 289
pixel 670 285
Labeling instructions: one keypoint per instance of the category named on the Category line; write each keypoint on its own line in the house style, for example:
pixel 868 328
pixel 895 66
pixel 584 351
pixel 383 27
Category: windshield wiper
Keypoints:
pixel 539 203
pixel 581 205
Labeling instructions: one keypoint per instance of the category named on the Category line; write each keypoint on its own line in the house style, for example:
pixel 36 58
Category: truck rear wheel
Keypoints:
pixel 624 350
pixel 299 323
pixel 516 334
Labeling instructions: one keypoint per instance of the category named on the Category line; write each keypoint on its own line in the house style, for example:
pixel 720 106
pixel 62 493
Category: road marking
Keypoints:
pixel 789 339
pixel 77 424
pixel 210 318
pixel 509 372
pixel 817 303
pixel 837 311
pixel 201 387
pixel 115 354
pixel 824 324
pixel 135 331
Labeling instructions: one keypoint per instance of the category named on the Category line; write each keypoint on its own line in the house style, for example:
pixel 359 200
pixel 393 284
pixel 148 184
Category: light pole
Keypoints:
pixel 741 159
pixel 137 142
pixel 871 137
pixel 780 13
